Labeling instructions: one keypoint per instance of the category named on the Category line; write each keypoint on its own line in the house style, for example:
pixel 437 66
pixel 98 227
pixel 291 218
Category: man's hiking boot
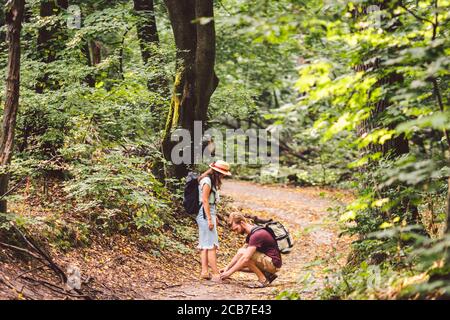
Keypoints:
pixel 258 284
pixel 270 276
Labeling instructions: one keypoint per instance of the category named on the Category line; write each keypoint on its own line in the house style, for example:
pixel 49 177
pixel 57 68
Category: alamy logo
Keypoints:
pixel 236 146
pixel 375 16
pixel 74 17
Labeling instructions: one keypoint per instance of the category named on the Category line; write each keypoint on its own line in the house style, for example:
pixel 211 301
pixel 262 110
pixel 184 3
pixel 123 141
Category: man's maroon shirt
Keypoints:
pixel 265 243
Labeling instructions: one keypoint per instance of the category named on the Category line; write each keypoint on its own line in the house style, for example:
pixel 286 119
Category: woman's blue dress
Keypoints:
pixel 207 239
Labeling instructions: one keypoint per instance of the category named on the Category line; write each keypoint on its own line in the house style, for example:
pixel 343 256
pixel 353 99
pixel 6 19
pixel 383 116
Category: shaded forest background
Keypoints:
pixel 358 89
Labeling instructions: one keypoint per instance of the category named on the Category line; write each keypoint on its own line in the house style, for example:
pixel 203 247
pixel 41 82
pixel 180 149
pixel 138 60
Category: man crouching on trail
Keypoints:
pixel 259 255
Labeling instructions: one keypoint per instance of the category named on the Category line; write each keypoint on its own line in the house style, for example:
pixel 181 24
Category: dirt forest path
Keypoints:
pixel 318 250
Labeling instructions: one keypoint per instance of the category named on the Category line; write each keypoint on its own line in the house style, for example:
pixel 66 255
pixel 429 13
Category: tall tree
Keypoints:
pixel 2 34
pixel 86 52
pixel 195 80
pixel 147 30
pixel 14 16
pixel 2 24
pixel 49 42
pixel 397 145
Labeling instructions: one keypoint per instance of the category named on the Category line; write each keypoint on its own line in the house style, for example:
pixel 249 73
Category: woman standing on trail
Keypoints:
pixel 209 184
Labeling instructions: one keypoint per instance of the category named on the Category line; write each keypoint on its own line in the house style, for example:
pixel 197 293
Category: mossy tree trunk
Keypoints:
pixel 14 16
pixel 195 80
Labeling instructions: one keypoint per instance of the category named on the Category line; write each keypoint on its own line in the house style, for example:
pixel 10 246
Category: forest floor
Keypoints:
pixel 317 254
pixel 121 267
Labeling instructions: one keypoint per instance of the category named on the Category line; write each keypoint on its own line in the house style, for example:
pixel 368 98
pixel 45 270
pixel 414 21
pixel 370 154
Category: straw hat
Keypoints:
pixel 221 166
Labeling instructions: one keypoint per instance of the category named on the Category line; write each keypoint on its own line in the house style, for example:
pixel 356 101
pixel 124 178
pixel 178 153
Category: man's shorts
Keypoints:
pixel 264 262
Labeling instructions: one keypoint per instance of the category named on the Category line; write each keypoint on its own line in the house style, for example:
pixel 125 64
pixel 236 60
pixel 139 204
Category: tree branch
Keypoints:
pixel 415 15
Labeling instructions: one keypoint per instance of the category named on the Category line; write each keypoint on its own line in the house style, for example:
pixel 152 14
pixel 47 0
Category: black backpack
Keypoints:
pixel 279 233
pixel 191 195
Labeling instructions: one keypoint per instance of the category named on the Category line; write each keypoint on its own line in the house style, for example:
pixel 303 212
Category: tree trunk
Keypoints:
pixel 2 23
pixel 146 28
pixel 14 18
pixel 85 50
pixel 48 43
pixel 96 50
pixel 438 95
pixel 121 53
pixel 206 79
pixel 447 222
pixel 397 146
pixel 147 32
pixel 182 107
pixel 91 51
pixel 195 80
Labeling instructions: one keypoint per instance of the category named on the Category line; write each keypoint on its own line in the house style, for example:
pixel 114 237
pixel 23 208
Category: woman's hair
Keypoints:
pixel 216 179
pixel 237 217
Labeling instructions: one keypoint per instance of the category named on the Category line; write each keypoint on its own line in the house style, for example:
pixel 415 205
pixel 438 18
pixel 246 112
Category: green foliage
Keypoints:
pixel 360 98
pixel 287 295
pixel 21 221
pixel 65 235
pixel 257 59
pixel 123 188
pixel 99 140
pixel 369 82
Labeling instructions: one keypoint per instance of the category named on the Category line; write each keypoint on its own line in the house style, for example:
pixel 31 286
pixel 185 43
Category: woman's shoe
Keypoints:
pixel 205 276
pixel 216 278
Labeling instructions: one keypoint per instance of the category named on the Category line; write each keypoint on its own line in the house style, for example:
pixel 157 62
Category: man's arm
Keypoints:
pixel 235 259
pixel 241 263
pixel 231 264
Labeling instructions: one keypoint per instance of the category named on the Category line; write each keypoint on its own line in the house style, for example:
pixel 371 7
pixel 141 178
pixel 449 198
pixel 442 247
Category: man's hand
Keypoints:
pixel 225 275
pixel 223 270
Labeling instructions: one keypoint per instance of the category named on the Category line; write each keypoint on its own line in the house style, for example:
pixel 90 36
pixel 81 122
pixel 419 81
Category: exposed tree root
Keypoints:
pixel 35 251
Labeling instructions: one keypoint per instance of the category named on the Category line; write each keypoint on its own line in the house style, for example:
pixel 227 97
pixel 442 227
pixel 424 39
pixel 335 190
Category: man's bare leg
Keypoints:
pixel 252 266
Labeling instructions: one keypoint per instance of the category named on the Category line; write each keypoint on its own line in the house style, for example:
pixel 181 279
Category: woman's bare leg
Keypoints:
pixel 212 259
pixel 204 260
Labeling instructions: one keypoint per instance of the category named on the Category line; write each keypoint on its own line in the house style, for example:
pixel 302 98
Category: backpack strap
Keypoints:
pixel 264 227
pixel 204 214
pixel 215 197
pixel 254 229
